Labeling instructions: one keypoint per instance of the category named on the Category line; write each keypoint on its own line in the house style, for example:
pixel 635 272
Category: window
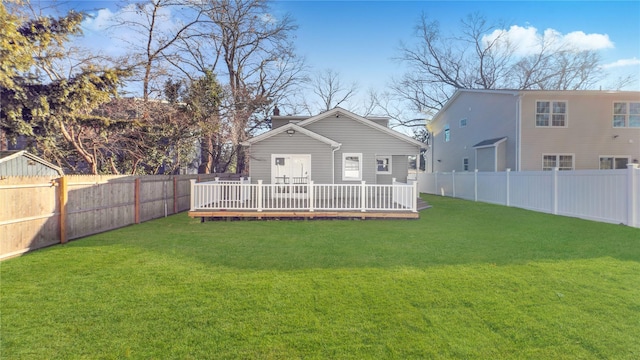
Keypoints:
pixel 383 164
pixel 551 113
pixel 447 133
pixel 463 123
pixel 465 164
pixel 351 167
pixel 562 162
pixel 613 162
pixel 626 114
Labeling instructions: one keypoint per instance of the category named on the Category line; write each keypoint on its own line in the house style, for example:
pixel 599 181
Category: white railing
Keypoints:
pixel 611 196
pixel 244 196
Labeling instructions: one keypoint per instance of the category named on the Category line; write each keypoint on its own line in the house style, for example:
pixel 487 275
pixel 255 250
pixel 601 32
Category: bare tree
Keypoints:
pixel 474 60
pixel 154 31
pixel 257 58
pixel 330 91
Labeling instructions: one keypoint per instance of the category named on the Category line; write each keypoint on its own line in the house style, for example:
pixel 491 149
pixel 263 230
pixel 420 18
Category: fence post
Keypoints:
pixel 554 191
pixel 259 195
pixel 632 195
pixel 508 173
pixel 363 195
pixel 175 194
pixel 192 196
pixel 136 196
pixel 453 182
pixel 62 199
pixel 475 185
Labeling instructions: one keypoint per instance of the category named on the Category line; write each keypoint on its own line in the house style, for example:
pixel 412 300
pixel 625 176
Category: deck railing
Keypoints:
pixel 244 196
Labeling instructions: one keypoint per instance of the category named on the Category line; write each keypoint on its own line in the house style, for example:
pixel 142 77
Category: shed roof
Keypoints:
pixel 490 142
pixel 8 156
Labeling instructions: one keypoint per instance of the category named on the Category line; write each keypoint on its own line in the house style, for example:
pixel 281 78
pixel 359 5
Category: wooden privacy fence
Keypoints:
pixel 42 211
pixel 611 196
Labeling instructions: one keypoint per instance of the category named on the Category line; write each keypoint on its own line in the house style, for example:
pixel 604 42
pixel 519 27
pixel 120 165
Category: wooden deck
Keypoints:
pixel 260 215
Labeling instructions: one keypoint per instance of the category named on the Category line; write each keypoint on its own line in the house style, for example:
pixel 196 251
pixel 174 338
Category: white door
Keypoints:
pixel 290 169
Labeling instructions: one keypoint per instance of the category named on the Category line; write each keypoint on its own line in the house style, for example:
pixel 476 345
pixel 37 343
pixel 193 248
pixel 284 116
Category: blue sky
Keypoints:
pixel 359 39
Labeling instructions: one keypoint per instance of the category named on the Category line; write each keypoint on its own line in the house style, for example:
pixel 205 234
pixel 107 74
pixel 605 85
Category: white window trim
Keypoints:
pixel 550 126
pixel 360 162
pixel 573 159
pixel 626 116
pixel 614 159
pixel 389 157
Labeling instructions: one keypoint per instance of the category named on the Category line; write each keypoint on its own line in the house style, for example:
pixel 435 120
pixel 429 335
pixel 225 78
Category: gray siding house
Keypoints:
pixel 531 130
pixel 334 147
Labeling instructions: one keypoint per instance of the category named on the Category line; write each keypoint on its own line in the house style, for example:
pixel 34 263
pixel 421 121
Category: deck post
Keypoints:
pixel 414 205
pixel 363 197
pixel 311 195
pixel 192 198
pixel 259 200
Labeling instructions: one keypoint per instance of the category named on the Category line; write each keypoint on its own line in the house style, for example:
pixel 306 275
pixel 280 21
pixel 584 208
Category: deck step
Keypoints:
pixel 421 205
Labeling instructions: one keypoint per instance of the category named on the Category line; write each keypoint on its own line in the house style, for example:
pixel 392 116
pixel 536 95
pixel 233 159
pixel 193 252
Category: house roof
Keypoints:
pixel 337 111
pixel 294 127
pixel 490 142
pixel 6 156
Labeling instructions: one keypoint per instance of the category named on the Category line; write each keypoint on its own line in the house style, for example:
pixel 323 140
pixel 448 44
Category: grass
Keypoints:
pixel 468 281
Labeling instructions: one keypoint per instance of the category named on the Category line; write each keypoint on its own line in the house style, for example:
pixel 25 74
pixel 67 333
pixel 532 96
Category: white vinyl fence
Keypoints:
pixel 244 196
pixel 611 196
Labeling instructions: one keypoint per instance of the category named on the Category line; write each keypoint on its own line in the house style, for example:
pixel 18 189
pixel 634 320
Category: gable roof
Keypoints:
pixel 294 127
pixel 337 111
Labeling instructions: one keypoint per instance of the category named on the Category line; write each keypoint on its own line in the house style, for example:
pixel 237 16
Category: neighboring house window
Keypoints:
pixel 562 162
pixel 447 133
pixel 351 166
pixel 613 162
pixel 463 123
pixel 465 164
pixel 383 164
pixel 551 113
pixel 626 114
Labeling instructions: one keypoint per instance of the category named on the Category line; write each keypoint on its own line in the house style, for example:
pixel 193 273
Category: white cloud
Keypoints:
pixel 528 40
pixel 99 21
pixel 622 63
pixel 588 41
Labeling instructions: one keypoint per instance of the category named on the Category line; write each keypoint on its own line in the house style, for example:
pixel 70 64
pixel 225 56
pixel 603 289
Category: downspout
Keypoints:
pixel 333 163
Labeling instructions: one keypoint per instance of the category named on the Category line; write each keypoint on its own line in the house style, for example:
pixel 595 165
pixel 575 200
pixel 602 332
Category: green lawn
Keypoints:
pixel 466 281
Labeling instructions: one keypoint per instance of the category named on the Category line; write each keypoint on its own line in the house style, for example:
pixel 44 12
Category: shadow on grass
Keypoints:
pixel 452 232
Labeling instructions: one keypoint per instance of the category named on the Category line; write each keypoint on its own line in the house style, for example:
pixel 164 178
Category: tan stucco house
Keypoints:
pixel 532 130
